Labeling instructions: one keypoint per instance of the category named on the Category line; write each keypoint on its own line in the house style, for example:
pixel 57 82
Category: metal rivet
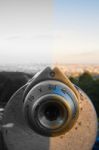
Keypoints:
pixel 52 74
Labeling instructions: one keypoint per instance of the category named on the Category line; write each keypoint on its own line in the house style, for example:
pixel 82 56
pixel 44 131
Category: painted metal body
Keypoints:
pixel 18 135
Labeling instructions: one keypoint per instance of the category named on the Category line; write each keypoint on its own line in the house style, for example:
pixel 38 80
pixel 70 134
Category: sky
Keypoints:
pixel 49 31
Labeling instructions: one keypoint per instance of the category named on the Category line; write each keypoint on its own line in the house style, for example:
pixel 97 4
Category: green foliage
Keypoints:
pixel 90 86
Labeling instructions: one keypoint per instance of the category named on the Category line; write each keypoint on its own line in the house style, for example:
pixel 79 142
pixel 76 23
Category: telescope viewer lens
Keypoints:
pixel 52 112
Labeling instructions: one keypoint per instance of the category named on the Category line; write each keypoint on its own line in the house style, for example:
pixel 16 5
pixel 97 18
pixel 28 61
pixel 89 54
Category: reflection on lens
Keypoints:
pixel 52 112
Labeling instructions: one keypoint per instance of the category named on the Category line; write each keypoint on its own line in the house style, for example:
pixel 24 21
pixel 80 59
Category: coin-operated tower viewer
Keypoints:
pixel 49 113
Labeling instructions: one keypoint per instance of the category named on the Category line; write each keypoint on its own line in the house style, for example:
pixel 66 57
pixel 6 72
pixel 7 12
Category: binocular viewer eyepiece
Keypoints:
pixel 49 113
pixel 51 108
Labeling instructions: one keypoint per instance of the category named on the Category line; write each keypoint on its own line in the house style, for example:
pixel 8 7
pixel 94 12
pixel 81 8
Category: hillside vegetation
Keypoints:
pixel 90 86
pixel 11 82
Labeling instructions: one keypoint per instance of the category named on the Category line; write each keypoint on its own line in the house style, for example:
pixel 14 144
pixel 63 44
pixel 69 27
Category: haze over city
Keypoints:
pixel 58 31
